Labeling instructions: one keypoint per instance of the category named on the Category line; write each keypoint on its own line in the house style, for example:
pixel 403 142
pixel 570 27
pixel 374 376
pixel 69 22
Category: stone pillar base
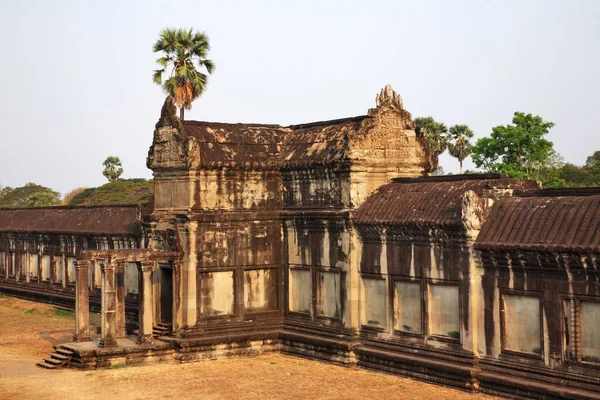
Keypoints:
pixel 145 339
pixel 81 337
pixel 108 342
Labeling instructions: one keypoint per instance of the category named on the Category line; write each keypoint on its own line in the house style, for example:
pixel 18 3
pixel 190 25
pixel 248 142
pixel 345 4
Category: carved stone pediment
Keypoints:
pixel 166 149
pixel 388 137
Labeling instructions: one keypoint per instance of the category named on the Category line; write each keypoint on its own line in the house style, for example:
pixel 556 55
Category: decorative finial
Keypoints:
pixel 388 97
pixel 168 115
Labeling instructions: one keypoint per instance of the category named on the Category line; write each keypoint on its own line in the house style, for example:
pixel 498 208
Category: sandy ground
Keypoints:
pixel 28 330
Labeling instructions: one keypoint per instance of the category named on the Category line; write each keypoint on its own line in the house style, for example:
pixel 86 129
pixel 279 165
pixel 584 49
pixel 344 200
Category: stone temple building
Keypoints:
pixel 329 240
pixel 39 248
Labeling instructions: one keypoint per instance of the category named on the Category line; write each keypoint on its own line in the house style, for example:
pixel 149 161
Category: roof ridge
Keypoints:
pixel 328 122
pixel 70 207
pixel 450 178
pixel 292 126
pixel 193 122
pixel 558 192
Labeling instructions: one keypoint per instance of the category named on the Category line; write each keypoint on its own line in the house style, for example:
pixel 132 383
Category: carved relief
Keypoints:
pixel 167 148
pixel 191 153
pixel 472 213
pixel 388 137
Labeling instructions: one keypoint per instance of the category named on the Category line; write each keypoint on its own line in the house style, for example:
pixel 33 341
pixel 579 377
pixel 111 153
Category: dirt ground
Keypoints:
pixel 28 330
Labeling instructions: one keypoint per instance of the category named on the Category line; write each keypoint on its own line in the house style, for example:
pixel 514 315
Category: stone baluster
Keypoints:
pixel 109 303
pixel 145 269
pixel 82 305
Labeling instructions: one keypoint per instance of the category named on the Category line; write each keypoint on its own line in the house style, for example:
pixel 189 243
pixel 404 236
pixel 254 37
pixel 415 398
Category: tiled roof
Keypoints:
pixel 541 221
pixel 275 146
pixel 428 201
pixel 112 220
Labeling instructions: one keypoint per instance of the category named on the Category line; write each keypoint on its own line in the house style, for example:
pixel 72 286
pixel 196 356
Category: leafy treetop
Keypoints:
pixel 435 132
pixel 30 195
pixel 112 168
pixel 182 50
pixel 519 150
pixel 459 145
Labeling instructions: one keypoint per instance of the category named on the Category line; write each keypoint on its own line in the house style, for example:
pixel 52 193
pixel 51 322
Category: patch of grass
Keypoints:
pixel 122 191
pixel 2 295
pixel 118 366
pixel 63 313
pixel 30 311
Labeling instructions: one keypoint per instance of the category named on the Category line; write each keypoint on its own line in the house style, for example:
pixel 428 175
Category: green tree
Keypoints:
pixel 459 145
pixel 4 190
pixel 30 195
pixel 181 50
pixel 439 171
pixel 549 173
pixel 112 168
pixel 592 165
pixel 582 176
pixel 519 150
pixel 576 176
pixel 42 199
pixel 435 132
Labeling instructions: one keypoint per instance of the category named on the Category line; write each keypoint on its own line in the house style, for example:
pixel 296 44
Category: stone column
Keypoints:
pixel 18 256
pixel 65 277
pixel 53 276
pixel 82 301
pixel 177 313
pixel 29 264
pixel 120 281
pixel 6 268
pixel 41 266
pixel 109 305
pixel 189 276
pixel 145 295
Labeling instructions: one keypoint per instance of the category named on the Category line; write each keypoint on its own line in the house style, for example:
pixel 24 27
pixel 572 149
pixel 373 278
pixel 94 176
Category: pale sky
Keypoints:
pixel 76 75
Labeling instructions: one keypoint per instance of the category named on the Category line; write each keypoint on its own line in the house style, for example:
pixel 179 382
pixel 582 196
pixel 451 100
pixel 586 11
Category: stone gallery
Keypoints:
pixel 328 240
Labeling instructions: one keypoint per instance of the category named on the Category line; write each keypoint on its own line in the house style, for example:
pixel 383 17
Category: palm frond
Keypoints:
pixel 209 65
pixel 157 76
pixel 164 61
pixel 170 86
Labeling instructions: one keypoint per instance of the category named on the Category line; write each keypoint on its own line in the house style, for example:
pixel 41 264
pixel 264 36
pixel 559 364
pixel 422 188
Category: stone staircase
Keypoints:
pixel 58 359
pixel 157 330
pixel 161 330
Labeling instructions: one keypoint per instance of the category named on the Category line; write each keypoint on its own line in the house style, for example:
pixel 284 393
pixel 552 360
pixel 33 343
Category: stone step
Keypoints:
pixel 46 365
pixel 61 357
pixel 54 361
pixel 156 331
pixel 65 352
pixel 160 330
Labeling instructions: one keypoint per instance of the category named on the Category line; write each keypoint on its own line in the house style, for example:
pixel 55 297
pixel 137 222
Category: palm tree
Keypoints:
pixel 436 133
pixel 112 168
pixel 459 146
pixel 181 48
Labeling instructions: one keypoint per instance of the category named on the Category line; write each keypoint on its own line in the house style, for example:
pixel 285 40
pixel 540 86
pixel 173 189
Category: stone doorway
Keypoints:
pixel 166 295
